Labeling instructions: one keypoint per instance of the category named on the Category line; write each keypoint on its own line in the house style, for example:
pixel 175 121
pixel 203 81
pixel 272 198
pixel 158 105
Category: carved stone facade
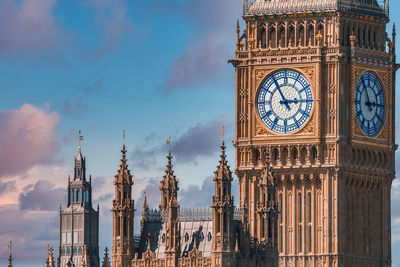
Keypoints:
pixel 172 237
pixel 79 222
pixel 123 209
pixel 332 181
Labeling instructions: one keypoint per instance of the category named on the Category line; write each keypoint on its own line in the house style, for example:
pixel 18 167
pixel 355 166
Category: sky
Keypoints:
pixel 155 68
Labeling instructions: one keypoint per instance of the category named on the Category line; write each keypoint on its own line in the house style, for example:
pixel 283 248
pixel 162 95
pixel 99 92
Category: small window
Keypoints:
pixel 201 236
pixel 163 238
pixel 209 236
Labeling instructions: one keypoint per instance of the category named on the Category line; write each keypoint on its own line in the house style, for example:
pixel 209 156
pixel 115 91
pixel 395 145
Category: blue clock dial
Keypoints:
pixel 369 104
pixel 285 101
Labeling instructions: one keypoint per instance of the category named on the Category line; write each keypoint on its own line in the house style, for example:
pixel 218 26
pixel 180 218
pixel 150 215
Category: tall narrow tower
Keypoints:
pixel 315 88
pixel 79 222
pixel 123 210
pixel 223 246
pixel 169 209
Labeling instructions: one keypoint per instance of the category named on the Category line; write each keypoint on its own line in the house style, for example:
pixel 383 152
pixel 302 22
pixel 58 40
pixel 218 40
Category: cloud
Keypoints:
pixel 28 137
pixel 27 25
pixel 198 63
pixel 42 196
pixel 30 232
pixel 111 17
pixel 7 187
pixel 203 139
pixel 206 54
pixel 200 140
pixel 73 107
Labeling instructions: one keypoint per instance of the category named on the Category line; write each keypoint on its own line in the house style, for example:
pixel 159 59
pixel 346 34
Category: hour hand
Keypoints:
pixel 283 101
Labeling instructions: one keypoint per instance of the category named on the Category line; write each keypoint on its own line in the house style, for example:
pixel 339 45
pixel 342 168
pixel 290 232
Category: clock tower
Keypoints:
pixel 315 89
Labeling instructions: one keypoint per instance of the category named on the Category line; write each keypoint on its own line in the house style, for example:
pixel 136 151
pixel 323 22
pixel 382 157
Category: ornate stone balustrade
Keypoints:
pixel 274 7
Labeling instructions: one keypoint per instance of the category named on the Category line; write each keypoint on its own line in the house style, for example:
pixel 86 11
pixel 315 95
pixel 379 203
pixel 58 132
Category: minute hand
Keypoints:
pixel 284 101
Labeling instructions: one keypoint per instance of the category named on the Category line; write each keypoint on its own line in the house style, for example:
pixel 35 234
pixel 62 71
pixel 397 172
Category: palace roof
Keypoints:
pixel 277 7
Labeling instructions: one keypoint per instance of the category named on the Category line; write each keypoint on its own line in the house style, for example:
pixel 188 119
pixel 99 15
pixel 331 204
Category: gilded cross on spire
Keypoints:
pixel 169 143
pixel 10 246
pixel 222 132
pixel 49 249
pixel 80 139
pixel 123 136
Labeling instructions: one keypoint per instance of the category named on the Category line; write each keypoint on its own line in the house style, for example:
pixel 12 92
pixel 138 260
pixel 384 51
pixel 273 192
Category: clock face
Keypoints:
pixel 369 104
pixel 285 101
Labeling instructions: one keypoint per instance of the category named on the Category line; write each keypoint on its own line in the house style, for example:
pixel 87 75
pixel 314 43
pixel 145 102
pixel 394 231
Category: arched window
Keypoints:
pixel 276 154
pixel 125 226
pixel 163 238
pixel 263 36
pixel 281 207
pixel 269 227
pixel 117 226
pixel 301 36
pixel 310 221
pixel 71 195
pixel 78 196
pixel 300 224
pixel 272 37
pixel 314 152
pixel 209 236
pixel 291 36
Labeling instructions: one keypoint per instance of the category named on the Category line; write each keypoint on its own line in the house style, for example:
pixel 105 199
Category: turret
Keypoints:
pixel 170 207
pixel 223 245
pixel 85 262
pixel 145 213
pixel 50 259
pixel 169 185
pixel 123 214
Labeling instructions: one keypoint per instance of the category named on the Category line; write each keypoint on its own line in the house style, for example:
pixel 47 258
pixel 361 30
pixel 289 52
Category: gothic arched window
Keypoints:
pixel 300 224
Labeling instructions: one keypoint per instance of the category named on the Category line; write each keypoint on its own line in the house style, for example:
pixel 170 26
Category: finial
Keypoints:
pixel 123 136
pixel 10 246
pixel 222 132
pixel 80 139
pixel 169 143
pixel 10 257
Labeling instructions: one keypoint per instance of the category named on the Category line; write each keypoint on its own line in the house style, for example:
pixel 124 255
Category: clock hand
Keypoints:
pixel 366 91
pixel 284 101
pixel 373 104
pixel 296 101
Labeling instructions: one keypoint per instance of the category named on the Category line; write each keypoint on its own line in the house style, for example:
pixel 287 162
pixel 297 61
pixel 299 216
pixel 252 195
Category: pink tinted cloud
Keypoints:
pixel 27 25
pixel 28 137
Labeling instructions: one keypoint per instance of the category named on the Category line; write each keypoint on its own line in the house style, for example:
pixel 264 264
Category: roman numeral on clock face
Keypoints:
pixel 285 101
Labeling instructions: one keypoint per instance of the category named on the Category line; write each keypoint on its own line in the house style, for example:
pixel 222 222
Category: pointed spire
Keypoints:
pixel 195 241
pixel 148 242
pixel 123 172
pixel 80 169
pixel 50 259
pixel 237 249
pixel 223 171
pixel 145 204
pixel 10 258
pixel 106 259
pixel 169 185
pixel 85 262
pixel 79 157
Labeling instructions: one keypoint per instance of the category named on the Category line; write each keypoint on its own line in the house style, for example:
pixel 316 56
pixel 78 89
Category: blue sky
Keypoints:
pixel 155 68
